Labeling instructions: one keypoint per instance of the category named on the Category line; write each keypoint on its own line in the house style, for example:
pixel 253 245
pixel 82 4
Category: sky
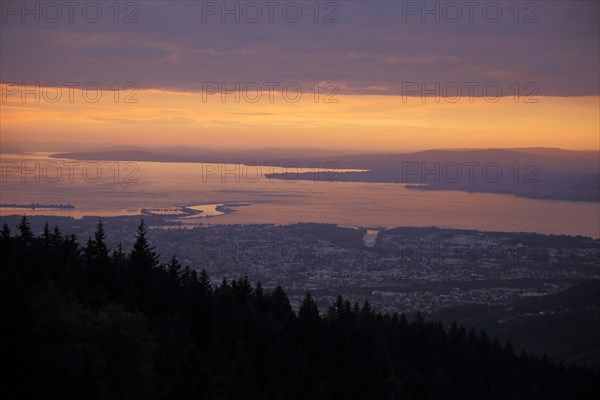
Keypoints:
pixel 377 75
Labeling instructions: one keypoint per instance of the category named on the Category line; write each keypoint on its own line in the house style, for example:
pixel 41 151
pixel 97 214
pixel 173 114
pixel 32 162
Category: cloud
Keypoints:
pixel 371 50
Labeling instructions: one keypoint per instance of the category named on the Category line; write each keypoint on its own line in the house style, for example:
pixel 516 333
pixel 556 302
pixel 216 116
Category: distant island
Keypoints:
pixel 33 206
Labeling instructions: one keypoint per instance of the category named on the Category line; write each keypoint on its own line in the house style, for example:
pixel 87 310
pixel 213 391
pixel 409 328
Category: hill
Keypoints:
pixel 564 325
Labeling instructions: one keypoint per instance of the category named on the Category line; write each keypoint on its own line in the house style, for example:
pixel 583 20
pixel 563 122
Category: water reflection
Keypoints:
pixel 156 185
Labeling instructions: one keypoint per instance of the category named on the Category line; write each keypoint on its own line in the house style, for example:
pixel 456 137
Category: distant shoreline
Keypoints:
pixel 34 206
pixel 539 174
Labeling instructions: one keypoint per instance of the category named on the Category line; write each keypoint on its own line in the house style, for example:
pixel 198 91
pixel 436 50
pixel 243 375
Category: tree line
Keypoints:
pixel 82 321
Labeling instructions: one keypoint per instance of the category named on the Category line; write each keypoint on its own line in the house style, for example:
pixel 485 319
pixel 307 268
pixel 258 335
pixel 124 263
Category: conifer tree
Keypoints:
pixel 308 310
pixel 25 234
pixel 174 270
pixel 5 232
pixel 56 236
pixel 102 251
pixel 142 256
pixel 46 234
pixel 205 281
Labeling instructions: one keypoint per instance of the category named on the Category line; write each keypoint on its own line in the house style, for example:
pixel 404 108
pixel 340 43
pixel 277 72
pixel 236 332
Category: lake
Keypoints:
pixel 120 188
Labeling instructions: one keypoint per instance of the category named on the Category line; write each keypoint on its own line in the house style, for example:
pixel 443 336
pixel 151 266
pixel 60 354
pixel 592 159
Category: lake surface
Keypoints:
pixel 120 188
pixel 208 210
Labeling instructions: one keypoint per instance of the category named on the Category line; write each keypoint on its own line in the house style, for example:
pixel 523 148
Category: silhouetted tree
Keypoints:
pixel 136 329
pixel 46 233
pixel 25 234
pixel 142 256
pixel 5 232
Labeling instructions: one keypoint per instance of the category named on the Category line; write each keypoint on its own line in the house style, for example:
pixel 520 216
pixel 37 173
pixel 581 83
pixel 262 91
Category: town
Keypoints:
pixel 405 270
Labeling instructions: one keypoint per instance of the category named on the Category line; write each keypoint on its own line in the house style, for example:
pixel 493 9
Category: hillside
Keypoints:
pixel 564 325
pixel 87 322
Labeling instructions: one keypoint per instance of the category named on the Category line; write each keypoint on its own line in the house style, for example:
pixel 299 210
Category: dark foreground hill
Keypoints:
pixel 81 322
pixel 564 325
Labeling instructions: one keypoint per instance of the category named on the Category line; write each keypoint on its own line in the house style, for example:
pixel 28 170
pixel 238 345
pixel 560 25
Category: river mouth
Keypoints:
pixel 193 211
pixel 370 237
pixel 208 210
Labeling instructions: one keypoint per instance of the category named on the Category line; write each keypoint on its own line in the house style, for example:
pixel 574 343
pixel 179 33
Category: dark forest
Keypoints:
pixel 82 321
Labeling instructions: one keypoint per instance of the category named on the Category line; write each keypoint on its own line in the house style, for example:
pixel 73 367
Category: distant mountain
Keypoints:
pixel 549 174
pixel 556 152
pixel 9 148
pixel 566 160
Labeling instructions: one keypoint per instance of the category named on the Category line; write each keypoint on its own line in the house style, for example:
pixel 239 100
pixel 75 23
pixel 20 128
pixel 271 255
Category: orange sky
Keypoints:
pixel 359 122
